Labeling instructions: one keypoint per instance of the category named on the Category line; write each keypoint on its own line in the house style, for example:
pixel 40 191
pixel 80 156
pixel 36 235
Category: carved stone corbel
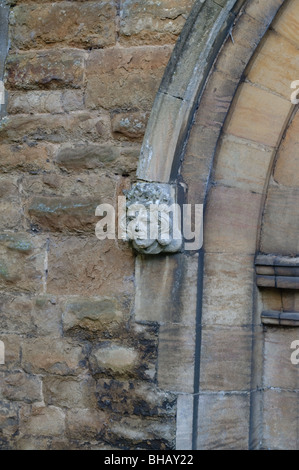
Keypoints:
pixel 152 219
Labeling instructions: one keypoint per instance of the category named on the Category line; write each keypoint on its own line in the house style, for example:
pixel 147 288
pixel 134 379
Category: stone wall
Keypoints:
pixel 79 371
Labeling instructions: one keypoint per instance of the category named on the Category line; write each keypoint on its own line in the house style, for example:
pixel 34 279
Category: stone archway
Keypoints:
pixel 210 327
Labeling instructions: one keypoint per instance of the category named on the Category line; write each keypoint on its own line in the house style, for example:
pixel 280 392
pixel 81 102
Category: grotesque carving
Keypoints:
pixel 152 220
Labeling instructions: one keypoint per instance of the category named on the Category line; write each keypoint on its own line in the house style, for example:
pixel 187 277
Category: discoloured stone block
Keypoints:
pixel 85 422
pixel 18 386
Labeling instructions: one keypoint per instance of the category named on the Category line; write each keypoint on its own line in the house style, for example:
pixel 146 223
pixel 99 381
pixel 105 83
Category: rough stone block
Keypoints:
pixel 48 69
pixel 86 156
pixel 152 23
pixel 24 157
pixel 21 262
pixel 89 267
pixel 135 398
pixel 42 421
pixel 62 214
pixel 88 24
pixel 18 386
pixel 55 128
pixel 16 316
pixel 112 358
pixel 9 422
pixel 85 423
pixel 65 392
pixel 97 315
pixel 129 125
pixel 125 78
pixel 136 432
pixel 52 355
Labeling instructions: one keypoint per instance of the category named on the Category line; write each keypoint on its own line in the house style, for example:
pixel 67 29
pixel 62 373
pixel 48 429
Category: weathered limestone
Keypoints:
pixel 18 386
pixel 53 355
pixel 42 421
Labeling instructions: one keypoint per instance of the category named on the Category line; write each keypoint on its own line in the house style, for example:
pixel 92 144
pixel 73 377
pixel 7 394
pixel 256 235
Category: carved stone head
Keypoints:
pixel 151 219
